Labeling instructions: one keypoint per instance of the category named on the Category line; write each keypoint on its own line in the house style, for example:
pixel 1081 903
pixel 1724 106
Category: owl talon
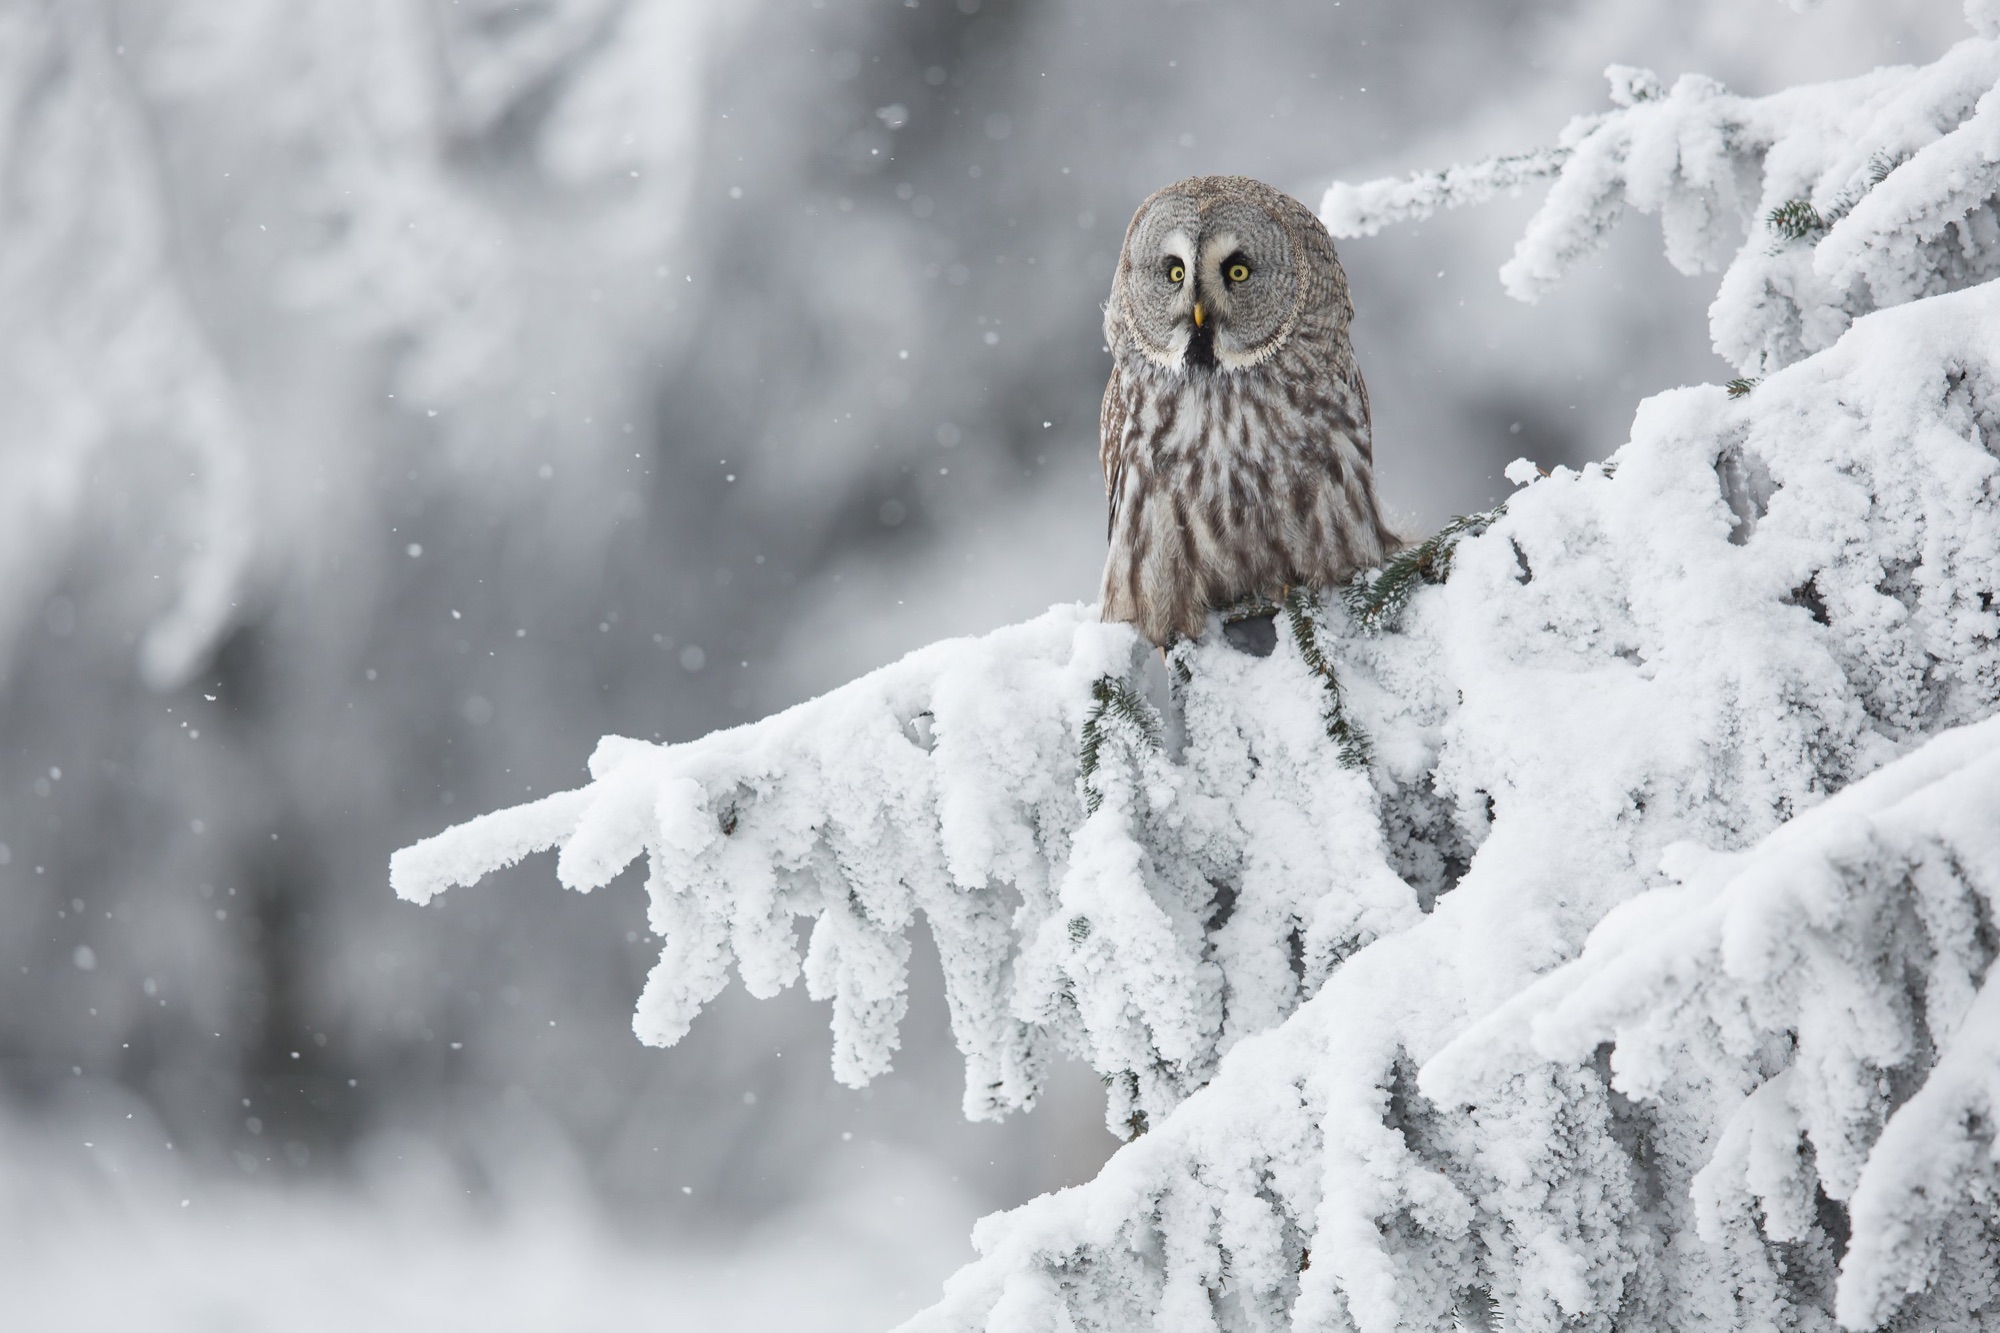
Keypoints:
pixel 1249 608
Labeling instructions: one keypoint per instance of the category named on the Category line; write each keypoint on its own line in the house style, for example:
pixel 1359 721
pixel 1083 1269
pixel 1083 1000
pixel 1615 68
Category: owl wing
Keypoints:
pixel 1111 447
pixel 1366 440
pixel 1346 450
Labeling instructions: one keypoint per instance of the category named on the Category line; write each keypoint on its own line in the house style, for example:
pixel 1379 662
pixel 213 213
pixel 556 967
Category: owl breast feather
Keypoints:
pixel 1231 484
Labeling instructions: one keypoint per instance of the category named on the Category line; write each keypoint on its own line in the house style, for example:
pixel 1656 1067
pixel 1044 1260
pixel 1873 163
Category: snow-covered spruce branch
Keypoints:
pixel 1377 599
pixel 1681 1129
pixel 1855 195
pixel 1813 1009
pixel 1720 1115
pixel 1773 595
pixel 1086 891
pixel 1363 210
pixel 1303 618
pixel 1387 1083
pixel 1763 1095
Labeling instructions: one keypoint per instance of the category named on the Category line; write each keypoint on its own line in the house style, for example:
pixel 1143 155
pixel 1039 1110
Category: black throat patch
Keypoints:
pixel 1201 347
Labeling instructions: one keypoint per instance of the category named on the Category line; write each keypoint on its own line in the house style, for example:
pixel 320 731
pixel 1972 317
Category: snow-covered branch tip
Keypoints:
pixel 1822 202
pixel 1365 209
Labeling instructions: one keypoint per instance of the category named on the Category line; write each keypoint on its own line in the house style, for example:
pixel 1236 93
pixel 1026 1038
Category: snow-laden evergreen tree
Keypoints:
pixel 1582 923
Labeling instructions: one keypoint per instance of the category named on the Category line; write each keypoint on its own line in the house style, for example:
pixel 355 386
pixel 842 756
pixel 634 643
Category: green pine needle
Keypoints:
pixel 1738 387
pixel 1376 604
pixel 1118 708
pixel 1299 614
pixel 1795 220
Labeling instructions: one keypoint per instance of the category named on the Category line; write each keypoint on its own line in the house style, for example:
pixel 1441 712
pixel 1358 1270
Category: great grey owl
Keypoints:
pixel 1235 436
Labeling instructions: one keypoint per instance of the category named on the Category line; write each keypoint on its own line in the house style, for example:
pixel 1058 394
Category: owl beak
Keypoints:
pixel 1197 314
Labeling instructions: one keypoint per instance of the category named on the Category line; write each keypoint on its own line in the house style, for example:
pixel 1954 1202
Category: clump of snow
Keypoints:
pixel 1636 979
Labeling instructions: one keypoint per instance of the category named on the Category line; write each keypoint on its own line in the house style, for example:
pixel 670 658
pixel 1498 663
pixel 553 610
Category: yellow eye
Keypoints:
pixel 1175 273
pixel 1237 272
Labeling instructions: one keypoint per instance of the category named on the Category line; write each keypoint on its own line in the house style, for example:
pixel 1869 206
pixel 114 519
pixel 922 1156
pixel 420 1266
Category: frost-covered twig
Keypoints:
pixel 1363 210
pixel 1879 189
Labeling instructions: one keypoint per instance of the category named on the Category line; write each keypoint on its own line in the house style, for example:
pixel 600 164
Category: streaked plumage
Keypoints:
pixel 1236 453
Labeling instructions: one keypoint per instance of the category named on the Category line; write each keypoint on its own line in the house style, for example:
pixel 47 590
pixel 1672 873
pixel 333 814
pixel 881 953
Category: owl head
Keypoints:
pixel 1219 272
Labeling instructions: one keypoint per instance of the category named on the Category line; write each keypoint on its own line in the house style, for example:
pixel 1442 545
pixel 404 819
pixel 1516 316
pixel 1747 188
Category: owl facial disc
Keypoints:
pixel 1207 282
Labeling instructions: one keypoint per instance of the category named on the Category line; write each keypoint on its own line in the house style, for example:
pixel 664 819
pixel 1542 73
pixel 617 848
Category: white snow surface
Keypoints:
pixel 1636 980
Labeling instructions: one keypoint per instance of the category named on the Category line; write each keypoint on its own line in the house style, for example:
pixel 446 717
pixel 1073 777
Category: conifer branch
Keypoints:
pixel 1118 708
pixel 1299 614
pixel 1376 604
pixel 1363 210
pixel 1798 219
pixel 1795 219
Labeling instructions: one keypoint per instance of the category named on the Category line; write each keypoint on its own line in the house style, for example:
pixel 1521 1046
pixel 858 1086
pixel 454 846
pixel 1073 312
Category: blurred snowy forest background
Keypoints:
pixel 396 395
